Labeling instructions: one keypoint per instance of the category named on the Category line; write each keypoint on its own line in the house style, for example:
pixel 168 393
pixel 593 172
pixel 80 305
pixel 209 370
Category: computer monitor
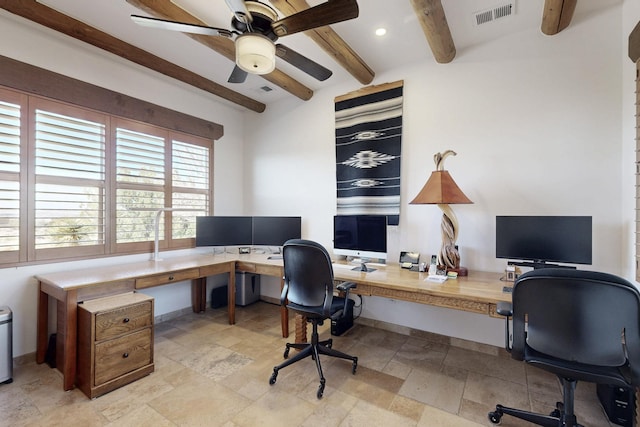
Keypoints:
pixel 223 230
pixel 363 236
pixel 539 240
pixel 275 230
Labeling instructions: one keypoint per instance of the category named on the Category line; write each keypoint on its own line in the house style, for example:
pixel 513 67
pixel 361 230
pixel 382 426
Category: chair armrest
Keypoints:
pixel 504 309
pixel 285 291
pixel 343 287
pixel 346 286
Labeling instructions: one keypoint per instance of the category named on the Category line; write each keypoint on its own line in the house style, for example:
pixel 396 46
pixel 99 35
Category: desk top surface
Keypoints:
pixel 478 286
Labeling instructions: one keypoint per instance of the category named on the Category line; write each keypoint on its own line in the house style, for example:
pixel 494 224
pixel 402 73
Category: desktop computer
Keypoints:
pixel 618 403
pixel 343 324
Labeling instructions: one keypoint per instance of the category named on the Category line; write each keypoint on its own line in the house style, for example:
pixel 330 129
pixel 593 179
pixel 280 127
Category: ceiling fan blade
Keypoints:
pixel 327 13
pixel 303 63
pixel 164 24
pixel 239 10
pixel 238 75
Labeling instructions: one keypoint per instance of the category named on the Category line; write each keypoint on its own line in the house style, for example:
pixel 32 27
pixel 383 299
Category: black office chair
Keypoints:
pixel 308 290
pixel 579 325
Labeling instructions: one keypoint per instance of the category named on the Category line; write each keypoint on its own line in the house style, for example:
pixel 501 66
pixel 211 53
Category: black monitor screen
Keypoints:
pixel 275 230
pixel 544 238
pixel 223 230
pixel 360 235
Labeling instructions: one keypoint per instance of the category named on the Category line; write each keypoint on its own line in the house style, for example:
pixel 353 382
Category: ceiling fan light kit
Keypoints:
pixel 256 28
pixel 255 53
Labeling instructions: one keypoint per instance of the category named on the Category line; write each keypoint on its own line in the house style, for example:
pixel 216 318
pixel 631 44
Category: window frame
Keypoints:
pixel 26 253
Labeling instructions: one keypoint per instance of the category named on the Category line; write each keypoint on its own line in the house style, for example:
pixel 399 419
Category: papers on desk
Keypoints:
pixel 438 278
pixel 337 266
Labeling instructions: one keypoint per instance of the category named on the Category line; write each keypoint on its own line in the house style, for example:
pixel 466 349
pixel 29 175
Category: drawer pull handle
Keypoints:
pixel 125 320
pixel 170 277
pixel 124 356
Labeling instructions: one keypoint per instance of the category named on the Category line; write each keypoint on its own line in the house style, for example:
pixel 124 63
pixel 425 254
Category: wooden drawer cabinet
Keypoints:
pixel 115 342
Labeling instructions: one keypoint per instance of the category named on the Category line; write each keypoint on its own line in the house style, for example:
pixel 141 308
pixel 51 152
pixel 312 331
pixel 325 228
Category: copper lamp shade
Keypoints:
pixel 440 188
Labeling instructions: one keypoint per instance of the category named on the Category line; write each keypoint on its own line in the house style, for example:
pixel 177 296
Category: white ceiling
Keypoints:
pixel 404 43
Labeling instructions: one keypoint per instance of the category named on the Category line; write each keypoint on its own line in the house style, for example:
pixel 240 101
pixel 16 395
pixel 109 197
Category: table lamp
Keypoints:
pixel 442 190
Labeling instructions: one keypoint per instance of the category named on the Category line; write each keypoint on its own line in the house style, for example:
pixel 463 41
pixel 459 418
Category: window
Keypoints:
pixel 11 123
pixel 69 196
pixel 190 180
pixel 140 182
pixel 79 183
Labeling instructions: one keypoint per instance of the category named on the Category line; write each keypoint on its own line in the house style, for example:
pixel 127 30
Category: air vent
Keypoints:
pixel 265 88
pixel 498 12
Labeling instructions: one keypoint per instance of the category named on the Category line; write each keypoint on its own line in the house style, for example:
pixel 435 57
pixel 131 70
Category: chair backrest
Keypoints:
pixel 308 274
pixel 578 316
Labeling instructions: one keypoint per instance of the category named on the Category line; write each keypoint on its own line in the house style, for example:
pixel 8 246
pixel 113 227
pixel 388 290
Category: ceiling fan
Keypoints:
pixel 256 28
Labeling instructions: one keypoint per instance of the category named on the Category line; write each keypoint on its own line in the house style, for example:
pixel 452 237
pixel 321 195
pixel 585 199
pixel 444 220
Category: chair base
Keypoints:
pixel 562 416
pixel 314 349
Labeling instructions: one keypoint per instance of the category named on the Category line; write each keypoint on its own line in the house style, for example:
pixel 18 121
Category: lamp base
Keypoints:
pixel 462 271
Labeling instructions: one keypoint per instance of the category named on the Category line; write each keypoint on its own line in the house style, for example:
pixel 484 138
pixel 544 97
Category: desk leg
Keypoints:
pixel 43 325
pixel 199 295
pixel 67 338
pixel 231 298
pixel 301 328
pixel 284 315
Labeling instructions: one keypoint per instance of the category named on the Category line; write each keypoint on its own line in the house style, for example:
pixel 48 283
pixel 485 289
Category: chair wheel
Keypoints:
pixel 320 391
pixel 354 366
pixel 286 353
pixel 272 379
pixel 555 413
pixel 495 417
pixel 330 343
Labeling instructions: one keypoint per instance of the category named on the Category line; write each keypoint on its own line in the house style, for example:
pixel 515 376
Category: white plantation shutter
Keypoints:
pixel 140 176
pixel 190 181
pixel 9 178
pixel 70 181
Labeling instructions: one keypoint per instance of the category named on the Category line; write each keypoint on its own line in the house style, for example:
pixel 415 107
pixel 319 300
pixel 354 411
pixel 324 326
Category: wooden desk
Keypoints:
pixel 69 288
pixel 477 293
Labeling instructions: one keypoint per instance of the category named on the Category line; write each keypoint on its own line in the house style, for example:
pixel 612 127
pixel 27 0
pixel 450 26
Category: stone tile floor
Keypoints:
pixel 209 373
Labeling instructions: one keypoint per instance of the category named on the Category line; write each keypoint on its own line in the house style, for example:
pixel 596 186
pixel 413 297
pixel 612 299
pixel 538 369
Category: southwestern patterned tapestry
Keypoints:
pixel 368 152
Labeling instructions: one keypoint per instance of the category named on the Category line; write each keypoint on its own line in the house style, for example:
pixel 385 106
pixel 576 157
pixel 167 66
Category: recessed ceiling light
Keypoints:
pixel 381 32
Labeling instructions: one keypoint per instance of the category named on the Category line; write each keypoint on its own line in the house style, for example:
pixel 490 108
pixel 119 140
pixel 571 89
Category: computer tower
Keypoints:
pixel 618 403
pixel 219 296
pixel 247 288
pixel 6 345
pixel 341 325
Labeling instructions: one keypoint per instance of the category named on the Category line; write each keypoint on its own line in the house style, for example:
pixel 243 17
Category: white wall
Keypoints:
pixel 542 125
pixel 631 17
pixel 537 125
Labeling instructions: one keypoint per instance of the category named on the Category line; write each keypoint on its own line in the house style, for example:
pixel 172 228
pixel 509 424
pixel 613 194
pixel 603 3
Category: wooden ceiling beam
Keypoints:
pixel 557 15
pixel 330 42
pixel 436 29
pixel 166 9
pixel 43 15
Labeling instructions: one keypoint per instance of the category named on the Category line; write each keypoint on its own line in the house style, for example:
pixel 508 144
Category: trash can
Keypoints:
pixel 247 288
pixel 6 345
